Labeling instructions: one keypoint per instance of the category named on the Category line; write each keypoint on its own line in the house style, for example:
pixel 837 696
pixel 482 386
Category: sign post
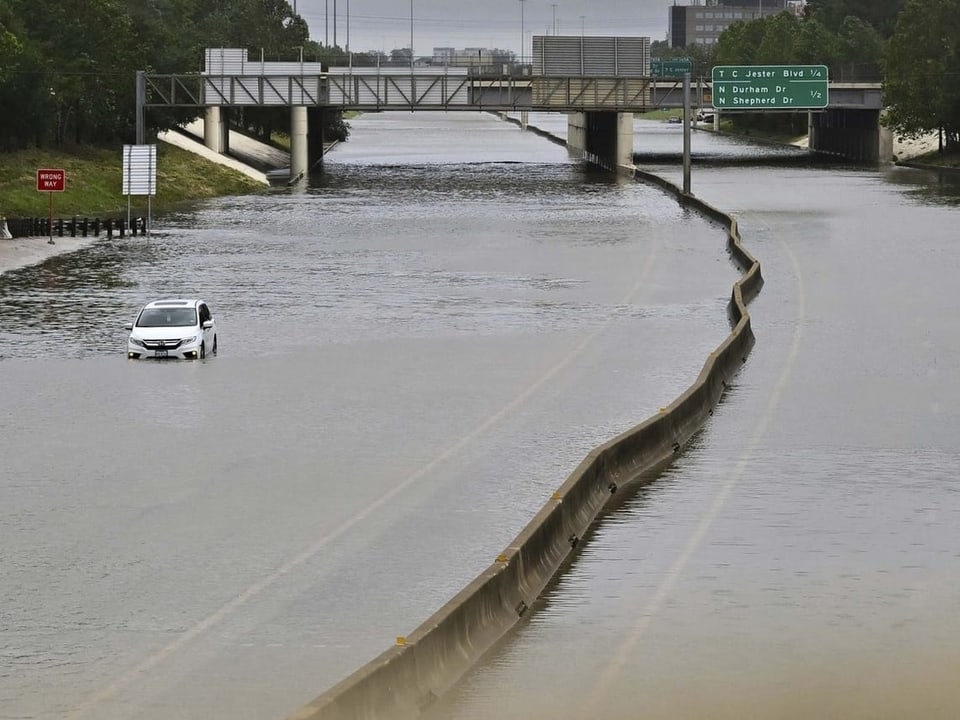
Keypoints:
pixel 51 180
pixel 770 87
pixel 140 175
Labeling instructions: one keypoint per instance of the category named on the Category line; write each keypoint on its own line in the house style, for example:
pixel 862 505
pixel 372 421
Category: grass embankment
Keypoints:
pixel 661 114
pixel 947 159
pixel 94 181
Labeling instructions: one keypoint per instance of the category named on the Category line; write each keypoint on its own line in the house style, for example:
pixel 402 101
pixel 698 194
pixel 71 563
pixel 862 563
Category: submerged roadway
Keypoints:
pixel 415 352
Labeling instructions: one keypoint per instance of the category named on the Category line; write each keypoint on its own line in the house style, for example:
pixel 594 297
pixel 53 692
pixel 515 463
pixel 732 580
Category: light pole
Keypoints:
pixel 411 37
pixel 522 36
pixel 581 25
pixel 554 5
pixel 326 22
pixel 348 27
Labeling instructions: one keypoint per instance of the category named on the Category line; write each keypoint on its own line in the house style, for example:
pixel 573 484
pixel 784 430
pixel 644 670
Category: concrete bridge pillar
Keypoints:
pixel 315 139
pixel 577 133
pixel 602 138
pixel 216 129
pixel 885 143
pixel 624 151
pixel 299 148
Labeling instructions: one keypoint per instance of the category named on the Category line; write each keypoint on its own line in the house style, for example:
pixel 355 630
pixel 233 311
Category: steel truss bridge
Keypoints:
pixel 409 91
pixel 443 91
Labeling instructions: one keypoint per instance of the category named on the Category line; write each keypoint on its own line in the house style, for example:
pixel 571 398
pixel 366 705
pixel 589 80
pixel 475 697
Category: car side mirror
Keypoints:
pixel 207 324
pixel 128 326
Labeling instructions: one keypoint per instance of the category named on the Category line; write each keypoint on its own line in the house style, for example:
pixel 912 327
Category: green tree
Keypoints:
pixel 860 51
pixel 84 50
pixel 815 45
pixel 779 36
pixel 880 14
pixel 922 85
pixel 10 46
pixel 739 43
pixel 68 67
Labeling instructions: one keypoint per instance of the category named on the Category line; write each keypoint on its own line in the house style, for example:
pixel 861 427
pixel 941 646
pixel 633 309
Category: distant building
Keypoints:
pixel 443 55
pixel 470 56
pixel 701 23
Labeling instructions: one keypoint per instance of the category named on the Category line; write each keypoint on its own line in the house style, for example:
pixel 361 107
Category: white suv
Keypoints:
pixel 173 329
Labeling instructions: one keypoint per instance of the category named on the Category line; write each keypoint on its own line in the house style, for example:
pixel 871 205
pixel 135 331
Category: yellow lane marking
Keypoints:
pixel 619 661
pixel 129 677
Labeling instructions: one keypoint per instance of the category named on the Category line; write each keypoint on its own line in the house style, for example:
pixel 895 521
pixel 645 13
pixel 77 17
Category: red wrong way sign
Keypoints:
pixel 51 180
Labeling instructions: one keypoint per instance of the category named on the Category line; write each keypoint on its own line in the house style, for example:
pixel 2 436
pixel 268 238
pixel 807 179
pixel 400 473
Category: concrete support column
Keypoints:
pixel 716 120
pixel 299 150
pixel 624 156
pixel 524 119
pixel 885 143
pixel 315 140
pixel 216 129
pixel 577 133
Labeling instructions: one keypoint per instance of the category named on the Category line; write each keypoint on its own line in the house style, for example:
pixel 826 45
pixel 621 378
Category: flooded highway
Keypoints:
pixel 800 560
pixel 415 351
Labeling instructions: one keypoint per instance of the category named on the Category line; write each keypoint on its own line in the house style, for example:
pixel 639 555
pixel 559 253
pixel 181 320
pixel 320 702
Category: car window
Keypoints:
pixel 167 317
pixel 204 313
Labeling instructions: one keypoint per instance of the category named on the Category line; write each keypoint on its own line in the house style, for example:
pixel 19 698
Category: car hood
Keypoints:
pixel 164 333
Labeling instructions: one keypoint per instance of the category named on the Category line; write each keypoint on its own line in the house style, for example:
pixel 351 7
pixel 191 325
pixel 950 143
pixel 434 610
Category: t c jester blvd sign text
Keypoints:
pixel 770 87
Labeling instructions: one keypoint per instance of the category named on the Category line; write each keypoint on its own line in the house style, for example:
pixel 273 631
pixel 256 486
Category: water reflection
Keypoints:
pixel 927 187
pixel 335 249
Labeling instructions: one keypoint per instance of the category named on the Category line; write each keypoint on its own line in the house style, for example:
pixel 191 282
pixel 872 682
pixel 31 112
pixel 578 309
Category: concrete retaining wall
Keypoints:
pixel 423 666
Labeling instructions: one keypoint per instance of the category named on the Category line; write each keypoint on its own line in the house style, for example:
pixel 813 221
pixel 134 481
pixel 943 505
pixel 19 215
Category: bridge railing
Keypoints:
pixel 502 87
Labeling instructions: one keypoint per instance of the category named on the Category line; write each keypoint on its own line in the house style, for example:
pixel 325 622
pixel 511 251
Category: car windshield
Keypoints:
pixel 168 317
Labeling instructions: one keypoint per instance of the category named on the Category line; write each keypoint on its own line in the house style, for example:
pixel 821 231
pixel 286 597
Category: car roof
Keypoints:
pixel 173 302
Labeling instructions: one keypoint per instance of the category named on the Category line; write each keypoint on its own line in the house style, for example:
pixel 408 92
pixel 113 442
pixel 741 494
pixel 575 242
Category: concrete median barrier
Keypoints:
pixel 408 677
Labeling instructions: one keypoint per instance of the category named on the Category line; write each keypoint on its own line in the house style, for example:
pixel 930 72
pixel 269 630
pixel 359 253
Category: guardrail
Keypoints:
pixel 75 227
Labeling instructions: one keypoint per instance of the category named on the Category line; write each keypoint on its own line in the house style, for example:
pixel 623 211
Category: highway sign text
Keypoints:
pixel 770 87
pixel 51 180
pixel 670 67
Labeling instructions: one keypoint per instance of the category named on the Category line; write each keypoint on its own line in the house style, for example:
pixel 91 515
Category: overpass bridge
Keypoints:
pixel 428 89
pixel 599 107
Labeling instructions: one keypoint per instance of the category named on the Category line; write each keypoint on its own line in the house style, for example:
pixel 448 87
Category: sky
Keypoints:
pixel 385 24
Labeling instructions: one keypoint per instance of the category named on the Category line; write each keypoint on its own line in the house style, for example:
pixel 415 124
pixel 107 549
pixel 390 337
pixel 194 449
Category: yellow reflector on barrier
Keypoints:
pixel 401 640
pixel 557 496
pixel 501 558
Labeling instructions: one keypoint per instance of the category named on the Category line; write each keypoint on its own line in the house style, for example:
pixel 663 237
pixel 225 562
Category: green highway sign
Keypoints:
pixel 769 87
pixel 670 67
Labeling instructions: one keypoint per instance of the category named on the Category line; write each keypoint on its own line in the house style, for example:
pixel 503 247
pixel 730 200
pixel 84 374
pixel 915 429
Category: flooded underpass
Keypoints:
pixel 415 352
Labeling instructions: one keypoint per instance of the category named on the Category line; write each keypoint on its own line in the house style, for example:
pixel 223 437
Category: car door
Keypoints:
pixel 204 314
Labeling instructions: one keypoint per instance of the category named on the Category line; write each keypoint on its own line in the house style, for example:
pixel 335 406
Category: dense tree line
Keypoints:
pixel 923 70
pixel 67 67
pixel 849 45
pixel 912 46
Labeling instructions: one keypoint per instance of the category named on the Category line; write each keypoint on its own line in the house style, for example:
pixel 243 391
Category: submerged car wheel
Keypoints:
pixel 203 351
pixel 213 350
